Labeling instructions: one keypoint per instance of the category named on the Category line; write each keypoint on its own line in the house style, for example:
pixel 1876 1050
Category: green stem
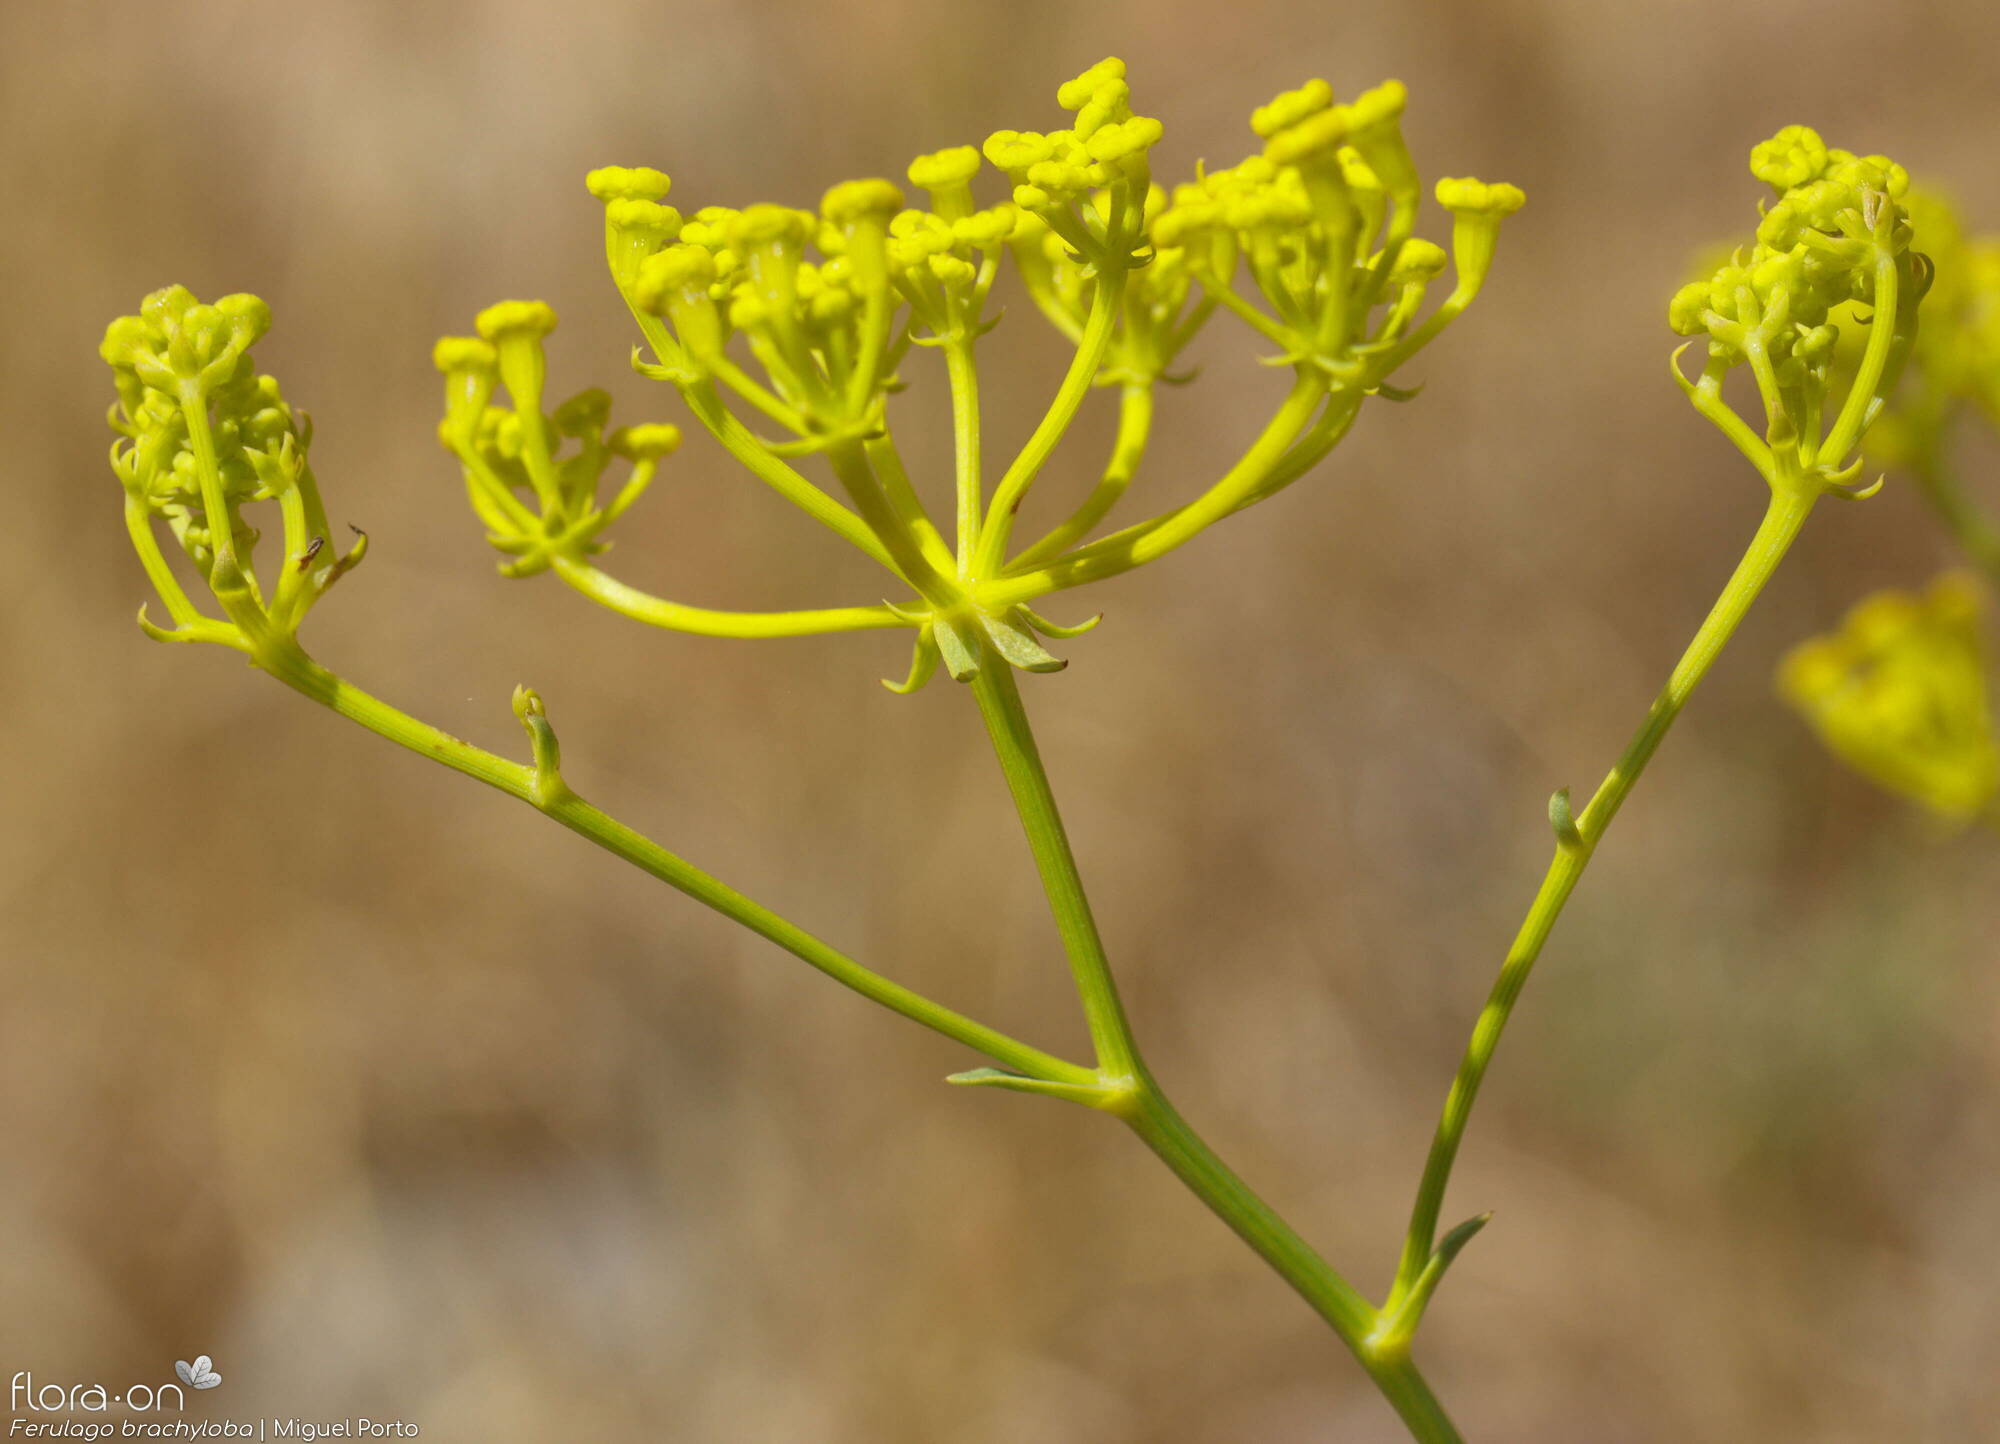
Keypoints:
pixel 962 371
pixel 1787 513
pixel 721 422
pixel 1021 762
pixel 608 591
pixel 1873 376
pixel 896 530
pixel 1146 1109
pixel 229 577
pixel 1076 384
pixel 702 399
pixel 1135 424
pixel 139 526
pixel 298 671
pixel 1148 540
pixel 881 454
pixel 1294 1260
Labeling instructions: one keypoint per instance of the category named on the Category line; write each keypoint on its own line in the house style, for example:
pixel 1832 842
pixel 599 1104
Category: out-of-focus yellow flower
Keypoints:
pixel 1899 694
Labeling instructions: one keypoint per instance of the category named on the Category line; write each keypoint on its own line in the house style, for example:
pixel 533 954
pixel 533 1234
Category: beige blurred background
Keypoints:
pixel 401 1102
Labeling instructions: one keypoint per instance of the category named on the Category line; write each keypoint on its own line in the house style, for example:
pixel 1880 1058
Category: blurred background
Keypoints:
pixel 400 1102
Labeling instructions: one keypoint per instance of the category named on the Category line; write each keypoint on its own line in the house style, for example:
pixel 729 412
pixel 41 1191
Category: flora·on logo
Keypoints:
pixel 25 1395
pixel 198 1375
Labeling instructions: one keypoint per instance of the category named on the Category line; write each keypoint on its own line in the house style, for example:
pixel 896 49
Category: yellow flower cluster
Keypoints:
pixel 536 502
pixel 202 434
pixel 804 318
pixel 1835 238
pixel 1323 223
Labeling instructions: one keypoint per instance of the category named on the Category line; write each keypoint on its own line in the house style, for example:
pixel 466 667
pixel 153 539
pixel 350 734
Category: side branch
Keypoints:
pixel 1577 841
pixel 290 665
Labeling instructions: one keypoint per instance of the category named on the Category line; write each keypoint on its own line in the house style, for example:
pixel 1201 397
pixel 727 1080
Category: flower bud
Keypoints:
pixel 1418 261
pixel 1790 158
pixel 1075 94
pixel 1477 208
pixel 675 269
pixel 1015 151
pixel 628 183
pixel 769 225
pixel 1472 197
pixel 1320 133
pixel 582 414
pixel 1124 141
pixel 644 220
pixel 984 230
pixel 1686 310
pixel 246 316
pixel 516 329
pixel 511 320
pixel 853 202
pixel 463 353
pixel 1289 107
pixel 648 442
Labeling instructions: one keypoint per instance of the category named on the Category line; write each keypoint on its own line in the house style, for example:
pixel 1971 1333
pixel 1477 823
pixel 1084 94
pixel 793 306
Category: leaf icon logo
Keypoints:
pixel 198 1375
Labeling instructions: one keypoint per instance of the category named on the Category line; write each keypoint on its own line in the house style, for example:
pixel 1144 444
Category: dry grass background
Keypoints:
pixel 400 1102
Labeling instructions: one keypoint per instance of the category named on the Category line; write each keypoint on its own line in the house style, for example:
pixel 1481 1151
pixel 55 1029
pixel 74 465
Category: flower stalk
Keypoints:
pixel 1836 232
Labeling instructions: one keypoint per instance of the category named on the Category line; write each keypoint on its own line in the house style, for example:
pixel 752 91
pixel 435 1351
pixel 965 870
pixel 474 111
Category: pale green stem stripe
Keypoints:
pixel 295 669
pixel 1787 513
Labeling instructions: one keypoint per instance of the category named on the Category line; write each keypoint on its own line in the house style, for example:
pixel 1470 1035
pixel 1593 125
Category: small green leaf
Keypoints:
pixel 1018 645
pixel 1564 821
pixel 1398 1325
pixel 1090 1095
pixel 959 658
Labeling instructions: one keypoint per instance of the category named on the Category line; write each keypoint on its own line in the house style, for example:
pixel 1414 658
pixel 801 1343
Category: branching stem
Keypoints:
pixel 1145 1108
pixel 300 672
